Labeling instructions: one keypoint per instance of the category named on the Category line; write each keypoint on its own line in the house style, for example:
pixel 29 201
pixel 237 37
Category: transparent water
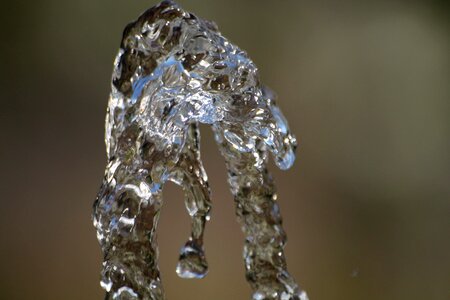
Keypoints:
pixel 174 71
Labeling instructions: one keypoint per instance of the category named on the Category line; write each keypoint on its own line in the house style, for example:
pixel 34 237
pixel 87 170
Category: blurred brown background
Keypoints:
pixel 365 86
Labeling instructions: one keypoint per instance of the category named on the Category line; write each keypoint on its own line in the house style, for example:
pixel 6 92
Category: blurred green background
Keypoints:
pixel 365 86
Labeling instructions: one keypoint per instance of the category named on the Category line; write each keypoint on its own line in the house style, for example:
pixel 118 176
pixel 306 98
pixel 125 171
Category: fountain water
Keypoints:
pixel 174 71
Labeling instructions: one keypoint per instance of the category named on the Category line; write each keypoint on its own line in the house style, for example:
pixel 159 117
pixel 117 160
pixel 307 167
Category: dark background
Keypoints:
pixel 365 86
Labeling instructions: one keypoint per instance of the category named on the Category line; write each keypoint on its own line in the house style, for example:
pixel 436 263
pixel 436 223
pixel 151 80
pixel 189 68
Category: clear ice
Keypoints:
pixel 174 71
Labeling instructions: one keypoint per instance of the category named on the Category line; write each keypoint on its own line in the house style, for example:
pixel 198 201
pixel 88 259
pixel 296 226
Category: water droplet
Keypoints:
pixel 192 262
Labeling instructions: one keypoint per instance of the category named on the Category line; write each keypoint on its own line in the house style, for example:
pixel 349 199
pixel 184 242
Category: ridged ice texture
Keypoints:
pixel 174 71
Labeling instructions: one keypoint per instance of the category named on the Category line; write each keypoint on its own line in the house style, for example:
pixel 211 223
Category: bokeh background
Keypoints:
pixel 365 86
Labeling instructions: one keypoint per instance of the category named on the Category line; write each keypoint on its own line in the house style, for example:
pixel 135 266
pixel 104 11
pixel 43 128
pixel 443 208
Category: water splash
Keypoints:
pixel 174 71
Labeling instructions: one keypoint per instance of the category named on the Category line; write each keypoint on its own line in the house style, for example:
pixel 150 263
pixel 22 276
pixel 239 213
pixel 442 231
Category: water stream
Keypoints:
pixel 172 72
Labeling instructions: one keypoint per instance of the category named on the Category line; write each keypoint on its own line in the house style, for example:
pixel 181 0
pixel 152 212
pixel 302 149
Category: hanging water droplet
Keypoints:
pixel 192 262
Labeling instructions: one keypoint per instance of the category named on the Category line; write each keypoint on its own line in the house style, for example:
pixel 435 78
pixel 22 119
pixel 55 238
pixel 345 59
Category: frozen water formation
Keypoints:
pixel 174 71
